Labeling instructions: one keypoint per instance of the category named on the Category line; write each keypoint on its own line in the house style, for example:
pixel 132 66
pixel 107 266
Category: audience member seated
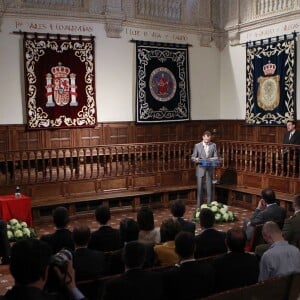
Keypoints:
pixel 291 226
pixel 166 251
pixel 148 233
pixel 235 268
pixel 4 243
pixel 189 279
pixel 209 241
pixel 105 238
pixel 267 210
pixel 62 237
pixel 135 283
pixel 178 210
pixel 281 258
pixel 129 231
pixel 87 263
pixel 29 267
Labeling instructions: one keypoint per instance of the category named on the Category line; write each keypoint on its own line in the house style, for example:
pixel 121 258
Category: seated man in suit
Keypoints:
pixel 129 231
pixel 267 210
pixel 178 210
pixel 189 279
pixel 87 263
pixel 30 259
pixel 281 258
pixel 105 238
pixel 62 237
pixel 135 283
pixel 235 268
pixel 291 226
pixel 210 241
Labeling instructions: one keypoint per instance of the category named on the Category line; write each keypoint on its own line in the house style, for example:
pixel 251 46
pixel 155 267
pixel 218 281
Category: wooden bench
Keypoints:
pixel 116 200
pixel 249 197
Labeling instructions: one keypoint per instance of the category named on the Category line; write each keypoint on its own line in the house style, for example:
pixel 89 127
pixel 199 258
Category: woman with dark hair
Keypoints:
pixel 148 233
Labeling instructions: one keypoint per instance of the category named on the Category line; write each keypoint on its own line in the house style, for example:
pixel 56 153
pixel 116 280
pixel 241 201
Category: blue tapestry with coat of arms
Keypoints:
pixel 162 85
pixel 271 82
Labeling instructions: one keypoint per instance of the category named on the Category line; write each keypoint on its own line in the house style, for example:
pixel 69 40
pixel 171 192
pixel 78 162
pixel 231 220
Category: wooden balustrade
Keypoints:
pixel 104 172
pixel 52 165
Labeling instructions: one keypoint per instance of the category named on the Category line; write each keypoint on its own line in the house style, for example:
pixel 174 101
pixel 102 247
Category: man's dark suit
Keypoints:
pixel 135 284
pixel 187 225
pixel 116 264
pixel 291 229
pixel 189 280
pixel 235 269
pixel 273 212
pixel 105 239
pixel 210 242
pixel 294 140
pixel 88 264
pixel 61 238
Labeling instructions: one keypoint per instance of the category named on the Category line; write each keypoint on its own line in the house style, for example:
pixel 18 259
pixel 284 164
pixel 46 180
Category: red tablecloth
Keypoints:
pixel 20 208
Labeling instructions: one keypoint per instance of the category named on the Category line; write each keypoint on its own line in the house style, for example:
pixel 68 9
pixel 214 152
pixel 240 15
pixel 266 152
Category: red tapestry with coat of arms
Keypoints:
pixel 59 81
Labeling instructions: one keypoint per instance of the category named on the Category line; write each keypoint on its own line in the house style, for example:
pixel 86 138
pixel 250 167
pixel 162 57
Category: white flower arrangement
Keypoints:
pixel 17 230
pixel 220 210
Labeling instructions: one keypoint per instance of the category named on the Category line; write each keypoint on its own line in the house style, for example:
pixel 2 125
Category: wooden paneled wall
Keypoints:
pixel 17 137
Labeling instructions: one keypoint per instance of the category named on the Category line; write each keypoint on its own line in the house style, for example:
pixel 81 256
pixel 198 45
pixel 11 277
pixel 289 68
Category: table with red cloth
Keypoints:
pixel 16 208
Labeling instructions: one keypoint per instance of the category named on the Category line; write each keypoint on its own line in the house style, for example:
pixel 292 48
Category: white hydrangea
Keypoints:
pixel 26 232
pixel 214 203
pixel 218 217
pixel 214 208
pixel 13 222
pixel 18 233
pixel 10 235
pixel 24 224
pixel 203 206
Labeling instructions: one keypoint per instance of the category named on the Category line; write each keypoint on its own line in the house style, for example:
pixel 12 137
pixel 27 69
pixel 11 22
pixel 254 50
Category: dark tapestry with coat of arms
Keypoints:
pixel 162 85
pixel 271 82
pixel 59 81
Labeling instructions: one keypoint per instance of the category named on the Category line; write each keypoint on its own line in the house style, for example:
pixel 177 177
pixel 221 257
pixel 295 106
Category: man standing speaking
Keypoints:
pixel 204 151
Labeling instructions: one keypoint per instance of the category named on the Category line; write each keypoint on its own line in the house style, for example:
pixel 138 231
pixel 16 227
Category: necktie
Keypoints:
pixel 206 148
pixel 291 134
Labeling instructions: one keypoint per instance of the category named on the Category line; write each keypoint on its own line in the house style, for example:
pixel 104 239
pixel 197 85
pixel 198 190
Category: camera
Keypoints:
pixel 60 259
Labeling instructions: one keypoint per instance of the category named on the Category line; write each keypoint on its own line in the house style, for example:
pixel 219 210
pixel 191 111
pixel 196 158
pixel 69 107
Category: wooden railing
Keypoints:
pixel 69 164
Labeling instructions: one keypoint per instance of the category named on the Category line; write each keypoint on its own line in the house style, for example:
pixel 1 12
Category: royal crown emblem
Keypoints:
pixel 269 69
pixel 61 86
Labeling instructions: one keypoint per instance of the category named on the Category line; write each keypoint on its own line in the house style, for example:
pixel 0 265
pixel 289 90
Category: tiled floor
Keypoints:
pixel 160 214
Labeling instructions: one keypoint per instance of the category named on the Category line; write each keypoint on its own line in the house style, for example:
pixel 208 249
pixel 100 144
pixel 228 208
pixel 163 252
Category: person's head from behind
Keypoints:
pixel 271 232
pixel 290 125
pixel 178 208
pixel 102 214
pixel 145 218
pixel 60 217
pixel 236 239
pixel 268 195
pixel 206 218
pixel 81 235
pixel 134 254
pixel 185 245
pixel 169 229
pixel 129 230
pixel 29 262
pixel 206 136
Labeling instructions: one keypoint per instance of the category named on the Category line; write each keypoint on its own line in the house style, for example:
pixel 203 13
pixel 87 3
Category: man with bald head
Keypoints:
pixel 281 258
